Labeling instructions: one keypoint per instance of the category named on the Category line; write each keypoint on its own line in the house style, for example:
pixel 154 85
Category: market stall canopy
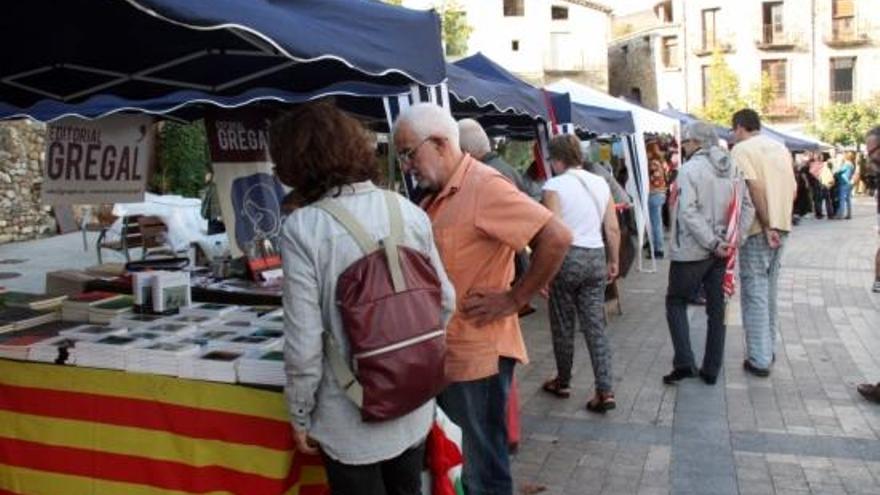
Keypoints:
pixel 793 143
pixel 686 118
pixel 83 52
pixel 481 81
pixel 649 120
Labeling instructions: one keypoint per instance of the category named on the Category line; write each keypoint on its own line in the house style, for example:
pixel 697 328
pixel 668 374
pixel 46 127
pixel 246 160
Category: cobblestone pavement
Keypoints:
pixel 803 430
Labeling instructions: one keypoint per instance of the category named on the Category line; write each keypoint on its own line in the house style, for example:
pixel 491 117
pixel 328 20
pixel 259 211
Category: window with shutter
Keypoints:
pixel 842 8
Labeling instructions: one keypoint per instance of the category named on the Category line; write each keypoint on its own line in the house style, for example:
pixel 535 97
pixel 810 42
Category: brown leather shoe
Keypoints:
pixel 870 391
pixel 557 388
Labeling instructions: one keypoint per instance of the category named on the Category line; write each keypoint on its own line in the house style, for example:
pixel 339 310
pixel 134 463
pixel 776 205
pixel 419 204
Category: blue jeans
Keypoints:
pixel 655 210
pixel 759 267
pixel 479 407
pixel 844 200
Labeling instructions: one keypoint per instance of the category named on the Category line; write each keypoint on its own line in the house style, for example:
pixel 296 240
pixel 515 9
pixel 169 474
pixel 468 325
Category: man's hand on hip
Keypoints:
pixel 487 305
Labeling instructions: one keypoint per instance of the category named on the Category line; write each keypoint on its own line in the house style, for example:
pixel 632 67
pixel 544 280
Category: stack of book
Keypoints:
pixel 238 326
pixel 67 282
pixel 274 320
pixel 262 367
pixel 268 332
pixel 92 332
pixel 250 312
pixel 209 338
pixel 171 329
pixel 161 358
pixel 40 302
pixel 146 336
pixel 59 350
pixel 201 321
pixel 12 318
pixel 246 342
pixel 211 310
pixel 134 320
pixel 76 307
pixel 171 291
pixel 17 344
pixel 105 311
pixel 106 352
pixel 217 365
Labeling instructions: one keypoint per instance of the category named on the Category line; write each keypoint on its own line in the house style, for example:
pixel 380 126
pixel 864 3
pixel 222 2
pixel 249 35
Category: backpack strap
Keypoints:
pixel 337 211
pixel 344 376
pixel 395 219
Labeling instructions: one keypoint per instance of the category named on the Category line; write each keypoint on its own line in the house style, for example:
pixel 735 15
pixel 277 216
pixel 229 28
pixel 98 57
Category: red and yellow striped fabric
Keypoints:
pixel 80 431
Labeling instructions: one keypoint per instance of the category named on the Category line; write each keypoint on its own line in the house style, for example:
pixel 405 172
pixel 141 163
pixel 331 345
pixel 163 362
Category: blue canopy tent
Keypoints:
pixel 685 119
pixel 99 56
pixel 480 80
pixel 793 143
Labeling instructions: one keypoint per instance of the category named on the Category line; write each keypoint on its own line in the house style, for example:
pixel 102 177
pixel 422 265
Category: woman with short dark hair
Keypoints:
pixel 323 153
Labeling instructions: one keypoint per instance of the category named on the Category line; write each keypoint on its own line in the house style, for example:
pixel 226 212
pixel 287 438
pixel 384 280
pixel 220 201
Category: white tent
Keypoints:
pixel 644 121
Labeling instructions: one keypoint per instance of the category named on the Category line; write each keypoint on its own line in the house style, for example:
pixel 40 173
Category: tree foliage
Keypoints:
pixel 516 153
pixel 456 29
pixel 845 124
pixel 183 157
pixel 723 95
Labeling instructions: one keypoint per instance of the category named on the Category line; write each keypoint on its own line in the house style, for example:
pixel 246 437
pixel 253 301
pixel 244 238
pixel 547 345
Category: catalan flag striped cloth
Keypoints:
pixel 80 431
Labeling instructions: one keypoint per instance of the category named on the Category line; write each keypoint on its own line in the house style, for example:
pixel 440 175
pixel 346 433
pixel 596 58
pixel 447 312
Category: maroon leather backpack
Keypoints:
pixel 390 305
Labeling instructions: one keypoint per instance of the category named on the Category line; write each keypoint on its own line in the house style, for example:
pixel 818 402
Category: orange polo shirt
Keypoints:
pixel 480 220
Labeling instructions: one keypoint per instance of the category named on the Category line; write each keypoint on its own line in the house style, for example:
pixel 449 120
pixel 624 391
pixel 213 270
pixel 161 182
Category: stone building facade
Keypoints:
pixel 814 53
pixel 22 216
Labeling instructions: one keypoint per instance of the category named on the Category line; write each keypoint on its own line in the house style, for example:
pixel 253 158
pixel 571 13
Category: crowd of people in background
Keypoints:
pixel 827 184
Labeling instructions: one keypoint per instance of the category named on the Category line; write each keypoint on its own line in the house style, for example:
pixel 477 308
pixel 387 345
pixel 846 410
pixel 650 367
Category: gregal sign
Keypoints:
pixel 238 136
pixel 99 161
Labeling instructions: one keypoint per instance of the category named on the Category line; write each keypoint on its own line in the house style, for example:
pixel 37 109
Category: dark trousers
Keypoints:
pixel 822 201
pixel 401 475
pixel 684 279
pixel 479 407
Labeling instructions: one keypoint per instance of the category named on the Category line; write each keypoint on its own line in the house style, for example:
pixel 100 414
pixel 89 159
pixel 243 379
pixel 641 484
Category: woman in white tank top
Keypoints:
pixel 577 295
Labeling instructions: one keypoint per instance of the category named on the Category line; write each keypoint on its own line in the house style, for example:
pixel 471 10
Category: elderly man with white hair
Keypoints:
pixel 707 184
pixel 479 220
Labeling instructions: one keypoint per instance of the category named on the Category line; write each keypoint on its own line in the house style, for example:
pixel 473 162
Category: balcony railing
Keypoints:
pixel 778 37
pixel 708 47
pixel 847 31
pixel 782 108
pixel 841 96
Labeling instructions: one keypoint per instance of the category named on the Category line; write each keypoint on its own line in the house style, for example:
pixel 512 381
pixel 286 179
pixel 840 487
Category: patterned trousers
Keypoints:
pixel 577 296
pixel 759 267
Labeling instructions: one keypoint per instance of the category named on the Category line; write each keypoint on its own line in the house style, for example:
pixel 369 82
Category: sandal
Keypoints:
pixel 602 402
pixel 557 388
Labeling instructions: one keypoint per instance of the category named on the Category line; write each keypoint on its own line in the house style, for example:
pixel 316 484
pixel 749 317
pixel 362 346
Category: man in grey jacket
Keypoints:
pixel 707 184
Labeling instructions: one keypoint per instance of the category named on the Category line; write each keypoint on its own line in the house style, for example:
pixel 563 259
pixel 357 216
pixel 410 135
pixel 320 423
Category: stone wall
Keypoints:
pixel 22 217
pixel 631 65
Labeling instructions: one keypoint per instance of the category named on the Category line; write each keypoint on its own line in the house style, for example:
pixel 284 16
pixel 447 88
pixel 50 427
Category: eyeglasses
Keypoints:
pixel 405 157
